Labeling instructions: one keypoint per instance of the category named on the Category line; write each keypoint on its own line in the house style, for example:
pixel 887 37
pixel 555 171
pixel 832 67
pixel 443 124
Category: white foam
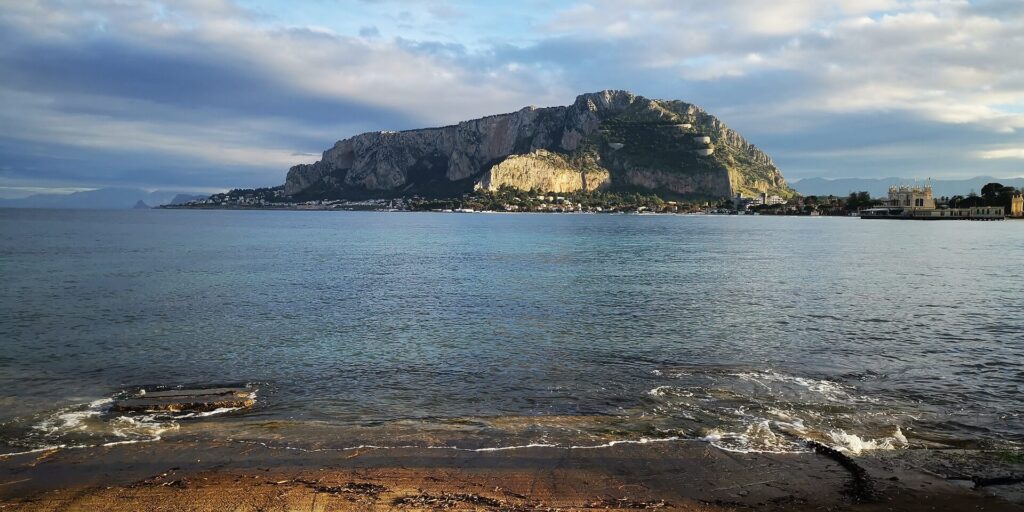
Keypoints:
pixel 144 427
pixel 496 448
pixel 670 391
pixel 855 444
pixel 830 390
pixel 757 438
pixel 609 444
pixel 130 441
pixel 207 414
pixel 91 420
pixel 35 450
pixel 74 417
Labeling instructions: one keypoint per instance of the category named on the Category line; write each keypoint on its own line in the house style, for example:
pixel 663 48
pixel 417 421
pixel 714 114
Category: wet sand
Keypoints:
pixel 191 475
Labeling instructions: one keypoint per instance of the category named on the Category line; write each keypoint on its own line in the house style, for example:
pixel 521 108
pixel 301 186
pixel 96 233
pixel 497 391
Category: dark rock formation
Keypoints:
pixel 186 400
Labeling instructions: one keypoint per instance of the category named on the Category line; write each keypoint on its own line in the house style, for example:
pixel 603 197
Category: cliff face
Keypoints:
pixel 546 171
pixel 610 139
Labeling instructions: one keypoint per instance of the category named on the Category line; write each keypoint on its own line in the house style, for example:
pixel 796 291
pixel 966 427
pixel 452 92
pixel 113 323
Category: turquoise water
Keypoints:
pixel 488 330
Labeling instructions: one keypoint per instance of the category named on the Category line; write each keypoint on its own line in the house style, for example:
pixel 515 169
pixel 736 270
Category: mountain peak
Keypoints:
pixel 609 99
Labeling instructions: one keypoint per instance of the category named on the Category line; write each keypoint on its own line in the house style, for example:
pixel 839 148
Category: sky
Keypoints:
pixel 205 95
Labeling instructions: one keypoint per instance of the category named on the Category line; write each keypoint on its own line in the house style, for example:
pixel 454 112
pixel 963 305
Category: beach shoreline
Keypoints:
pixel 685 475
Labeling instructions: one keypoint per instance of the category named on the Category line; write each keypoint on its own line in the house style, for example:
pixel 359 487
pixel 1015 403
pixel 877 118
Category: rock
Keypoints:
pixel 186 400
pixel 546 171
pixel 623 135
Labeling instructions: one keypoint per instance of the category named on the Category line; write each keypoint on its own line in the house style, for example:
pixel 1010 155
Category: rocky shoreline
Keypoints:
pixel 207 475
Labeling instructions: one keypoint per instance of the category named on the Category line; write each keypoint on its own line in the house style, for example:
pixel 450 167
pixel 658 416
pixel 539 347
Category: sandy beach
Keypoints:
pixel 195 476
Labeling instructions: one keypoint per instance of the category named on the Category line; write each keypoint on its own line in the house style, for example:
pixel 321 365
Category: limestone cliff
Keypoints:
pixel 545 171
pixel 610 139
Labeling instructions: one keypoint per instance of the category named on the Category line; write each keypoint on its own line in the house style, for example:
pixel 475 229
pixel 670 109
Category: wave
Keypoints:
pixel 93 424
pixel 855 444
pixel 766 411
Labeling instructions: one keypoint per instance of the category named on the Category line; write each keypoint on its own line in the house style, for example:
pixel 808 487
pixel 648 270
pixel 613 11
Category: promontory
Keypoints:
pixel 609 140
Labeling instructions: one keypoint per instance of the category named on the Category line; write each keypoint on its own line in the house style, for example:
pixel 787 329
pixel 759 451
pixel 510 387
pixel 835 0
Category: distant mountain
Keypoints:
pixel 612 140
pixel 879 187
pixel 141 205
pixel 185 198
pixel 103 198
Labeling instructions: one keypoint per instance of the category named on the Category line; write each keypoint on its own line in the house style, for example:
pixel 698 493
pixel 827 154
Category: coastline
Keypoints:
pixel 304 208
pixel 687 475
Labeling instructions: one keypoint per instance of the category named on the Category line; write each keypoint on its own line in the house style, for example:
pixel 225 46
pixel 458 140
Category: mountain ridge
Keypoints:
pixel 101 198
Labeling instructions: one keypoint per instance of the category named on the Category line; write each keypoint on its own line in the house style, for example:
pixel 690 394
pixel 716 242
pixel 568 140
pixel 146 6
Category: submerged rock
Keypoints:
pixel 187 400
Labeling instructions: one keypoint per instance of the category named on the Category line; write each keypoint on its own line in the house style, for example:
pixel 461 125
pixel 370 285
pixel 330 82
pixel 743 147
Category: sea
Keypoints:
pixel 497 331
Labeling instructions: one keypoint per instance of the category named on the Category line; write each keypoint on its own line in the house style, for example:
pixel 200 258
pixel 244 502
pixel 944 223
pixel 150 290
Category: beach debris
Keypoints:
pixel 358 488
pixel 861 488
pixel 980 481
pixel 165 479
pixel 626 503
pixel 187 400
pixel 448 500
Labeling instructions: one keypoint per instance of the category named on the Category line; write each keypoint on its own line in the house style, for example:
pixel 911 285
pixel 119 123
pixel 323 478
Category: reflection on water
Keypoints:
pixel 484 331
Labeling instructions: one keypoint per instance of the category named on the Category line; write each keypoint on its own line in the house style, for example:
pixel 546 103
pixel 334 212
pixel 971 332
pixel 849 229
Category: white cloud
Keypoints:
pixel 999 154
pixel 943 60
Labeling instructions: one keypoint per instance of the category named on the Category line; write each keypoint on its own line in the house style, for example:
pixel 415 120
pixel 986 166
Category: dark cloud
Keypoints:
pixel 183 86
pixel 884 144
pixel 55 164
pixel 189 77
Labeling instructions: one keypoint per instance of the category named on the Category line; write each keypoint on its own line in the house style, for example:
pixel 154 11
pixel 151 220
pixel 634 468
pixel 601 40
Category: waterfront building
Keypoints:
pixel 912 197
pixel 917 203
pixel 1017 206
pixel 974 213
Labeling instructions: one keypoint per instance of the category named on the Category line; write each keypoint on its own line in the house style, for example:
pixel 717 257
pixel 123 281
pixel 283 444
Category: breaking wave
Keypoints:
pixel 91 424
pixel 748 411
pixel 767 411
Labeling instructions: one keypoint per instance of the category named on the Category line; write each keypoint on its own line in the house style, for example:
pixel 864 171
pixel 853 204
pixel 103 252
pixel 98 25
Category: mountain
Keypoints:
pixel 185 198
pixel 102 198
pixel 880 187
pixel 606 140
pixel 141 205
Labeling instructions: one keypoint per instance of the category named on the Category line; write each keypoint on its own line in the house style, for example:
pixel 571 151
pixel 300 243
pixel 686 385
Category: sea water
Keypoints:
pixel 491 331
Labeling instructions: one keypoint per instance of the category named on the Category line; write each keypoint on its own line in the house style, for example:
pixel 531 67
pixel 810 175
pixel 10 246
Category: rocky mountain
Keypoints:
pixel 605 140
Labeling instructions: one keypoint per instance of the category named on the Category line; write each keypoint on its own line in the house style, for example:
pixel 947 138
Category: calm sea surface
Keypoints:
pixel 489 330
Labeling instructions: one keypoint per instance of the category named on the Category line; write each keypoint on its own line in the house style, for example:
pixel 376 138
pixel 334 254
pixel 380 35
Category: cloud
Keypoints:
pixel 999 154
pixel 201 83
pixel 214 93
pixel 947 61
